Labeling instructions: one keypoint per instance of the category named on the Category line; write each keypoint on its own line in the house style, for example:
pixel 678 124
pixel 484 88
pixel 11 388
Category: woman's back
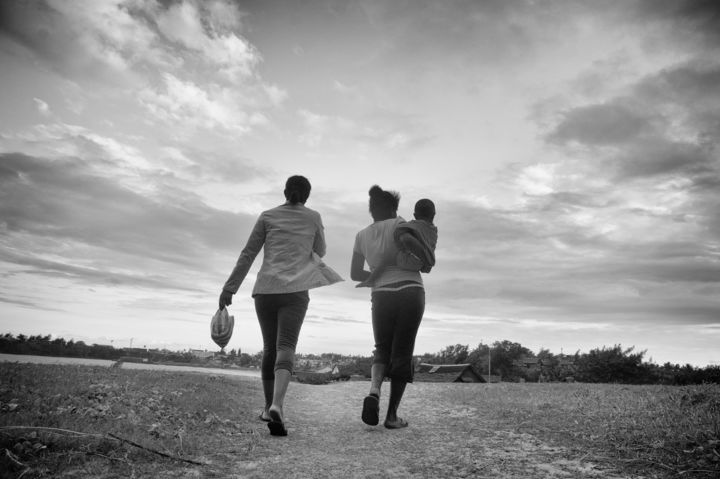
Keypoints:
pixel 292 234
pixel 376 242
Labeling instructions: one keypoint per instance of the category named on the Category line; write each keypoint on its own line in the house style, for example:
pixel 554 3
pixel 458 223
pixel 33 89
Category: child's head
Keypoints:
pixel 425 210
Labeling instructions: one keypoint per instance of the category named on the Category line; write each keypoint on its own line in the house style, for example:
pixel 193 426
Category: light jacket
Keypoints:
pixel 293 239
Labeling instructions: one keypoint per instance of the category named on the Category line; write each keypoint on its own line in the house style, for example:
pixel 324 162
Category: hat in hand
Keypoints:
pixel 221 327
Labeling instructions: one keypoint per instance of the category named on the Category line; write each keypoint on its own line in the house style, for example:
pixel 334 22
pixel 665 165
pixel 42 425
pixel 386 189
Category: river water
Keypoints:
pixel 26 358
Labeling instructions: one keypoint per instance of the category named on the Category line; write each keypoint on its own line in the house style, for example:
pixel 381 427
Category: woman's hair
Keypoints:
pixel 297 189
pixel 383 204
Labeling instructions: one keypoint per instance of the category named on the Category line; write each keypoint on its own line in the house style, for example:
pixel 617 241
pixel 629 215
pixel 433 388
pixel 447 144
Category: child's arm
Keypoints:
pixel 412 253
pixel 410 243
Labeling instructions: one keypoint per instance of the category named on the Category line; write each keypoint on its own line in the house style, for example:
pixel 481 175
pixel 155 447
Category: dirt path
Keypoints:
pixel 327 440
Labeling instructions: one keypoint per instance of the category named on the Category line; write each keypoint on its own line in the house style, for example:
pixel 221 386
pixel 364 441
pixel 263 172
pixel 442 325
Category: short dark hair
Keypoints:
pixel 383 204
pixel 297 189
pixel 425 209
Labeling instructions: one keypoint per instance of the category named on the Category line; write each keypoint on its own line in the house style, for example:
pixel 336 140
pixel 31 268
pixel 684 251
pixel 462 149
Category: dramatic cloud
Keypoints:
pixel 571 148
pixel 60 199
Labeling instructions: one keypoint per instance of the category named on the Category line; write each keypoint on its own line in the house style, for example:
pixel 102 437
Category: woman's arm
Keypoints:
pixel 254 244
pixel 357 268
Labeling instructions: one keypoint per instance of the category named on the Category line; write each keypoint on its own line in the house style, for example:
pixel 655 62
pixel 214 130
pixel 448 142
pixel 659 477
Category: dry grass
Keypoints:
pixel 675 430
pixel 648 431
pixel 174 420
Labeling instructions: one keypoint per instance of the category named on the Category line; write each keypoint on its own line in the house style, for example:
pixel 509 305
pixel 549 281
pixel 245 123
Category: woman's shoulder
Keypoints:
pixel 287 208
pixel 391 223
pixel 311 211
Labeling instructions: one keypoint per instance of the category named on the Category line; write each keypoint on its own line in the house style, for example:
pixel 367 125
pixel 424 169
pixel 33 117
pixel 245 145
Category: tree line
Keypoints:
pixel 514 362
pixel 47 346
pixel 509 360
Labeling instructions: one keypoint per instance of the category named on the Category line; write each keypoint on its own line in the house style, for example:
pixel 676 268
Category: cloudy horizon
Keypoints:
pixel 571 148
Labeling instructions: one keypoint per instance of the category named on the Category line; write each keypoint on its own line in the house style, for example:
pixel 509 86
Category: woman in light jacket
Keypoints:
pixel 294 241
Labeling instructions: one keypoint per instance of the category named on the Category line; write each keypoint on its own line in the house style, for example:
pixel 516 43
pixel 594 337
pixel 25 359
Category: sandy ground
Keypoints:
pixel 327 439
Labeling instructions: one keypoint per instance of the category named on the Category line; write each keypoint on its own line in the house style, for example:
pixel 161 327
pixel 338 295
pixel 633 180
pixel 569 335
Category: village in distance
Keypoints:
pixel 504 361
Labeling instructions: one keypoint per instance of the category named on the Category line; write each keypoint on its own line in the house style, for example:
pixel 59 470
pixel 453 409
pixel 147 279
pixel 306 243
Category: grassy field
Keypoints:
pixel 79 421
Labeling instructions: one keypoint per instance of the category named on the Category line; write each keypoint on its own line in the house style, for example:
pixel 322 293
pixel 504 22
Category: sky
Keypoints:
pixel 571 149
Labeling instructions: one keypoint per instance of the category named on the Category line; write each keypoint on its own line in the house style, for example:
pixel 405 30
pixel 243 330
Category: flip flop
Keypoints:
pixel 371 410
pixel 262 417
pixel 276 425
pixel 401 423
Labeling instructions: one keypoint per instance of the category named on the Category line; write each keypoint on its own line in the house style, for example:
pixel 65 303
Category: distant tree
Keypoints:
pixel 359 365
pixel 478 357
pixel 331 357
pixel 244 360
pixel 504 355
pixel 549 366
pixel 613 365
pixel 456 354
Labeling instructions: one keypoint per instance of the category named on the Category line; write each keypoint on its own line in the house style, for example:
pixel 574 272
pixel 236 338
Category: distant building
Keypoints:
pixel 332 370
pixel 202 354
pixel 449 373
pixel 491 378
pixel 134 351
pixel 322 375
pixel 528 363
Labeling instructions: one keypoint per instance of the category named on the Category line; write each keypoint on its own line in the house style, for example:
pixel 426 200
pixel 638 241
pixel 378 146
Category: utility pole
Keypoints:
pixel 489 369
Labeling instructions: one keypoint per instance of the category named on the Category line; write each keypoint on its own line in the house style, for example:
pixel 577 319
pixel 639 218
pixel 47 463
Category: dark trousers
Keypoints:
pixel 280 317
pixel 396 317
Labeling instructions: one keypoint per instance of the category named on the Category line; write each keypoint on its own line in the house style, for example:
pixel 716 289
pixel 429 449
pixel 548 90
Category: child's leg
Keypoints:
pixel 409 261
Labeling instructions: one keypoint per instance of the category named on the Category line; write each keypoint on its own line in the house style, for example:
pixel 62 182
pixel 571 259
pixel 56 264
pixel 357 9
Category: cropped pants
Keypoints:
pixel 280 317
pixel 396 317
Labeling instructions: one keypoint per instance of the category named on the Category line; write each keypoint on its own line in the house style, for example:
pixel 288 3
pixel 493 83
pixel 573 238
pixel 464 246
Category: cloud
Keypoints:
pixel 42 107
pixel 100 226
pixel 649 154
pixel 185 103
pixel 173 58
pixel 658 157
pixel 317 127
pixel 96 39
pixel 380 128
pixel 697 19
pixel 185 22
pixel 602 124
pixel 566 255
pixel 38 266
pixel 166 174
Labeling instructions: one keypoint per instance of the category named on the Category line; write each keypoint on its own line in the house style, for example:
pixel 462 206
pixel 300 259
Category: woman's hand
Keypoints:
pixel 225 299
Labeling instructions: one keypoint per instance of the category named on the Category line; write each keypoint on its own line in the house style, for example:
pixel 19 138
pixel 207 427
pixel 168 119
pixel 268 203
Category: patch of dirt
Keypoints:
pixel 327 439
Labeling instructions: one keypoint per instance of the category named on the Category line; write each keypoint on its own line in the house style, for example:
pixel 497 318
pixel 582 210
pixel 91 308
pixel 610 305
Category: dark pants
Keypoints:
pixel 280 317
pixel 396 317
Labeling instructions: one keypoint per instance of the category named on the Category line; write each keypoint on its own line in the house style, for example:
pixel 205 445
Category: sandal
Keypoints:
pixel 264 416
pixel 398 424
pixel 276 425
pixel 371 410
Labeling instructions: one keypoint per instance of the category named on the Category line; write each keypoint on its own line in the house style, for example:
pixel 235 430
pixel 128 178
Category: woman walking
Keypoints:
pixel 398 304
pixel 294 241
